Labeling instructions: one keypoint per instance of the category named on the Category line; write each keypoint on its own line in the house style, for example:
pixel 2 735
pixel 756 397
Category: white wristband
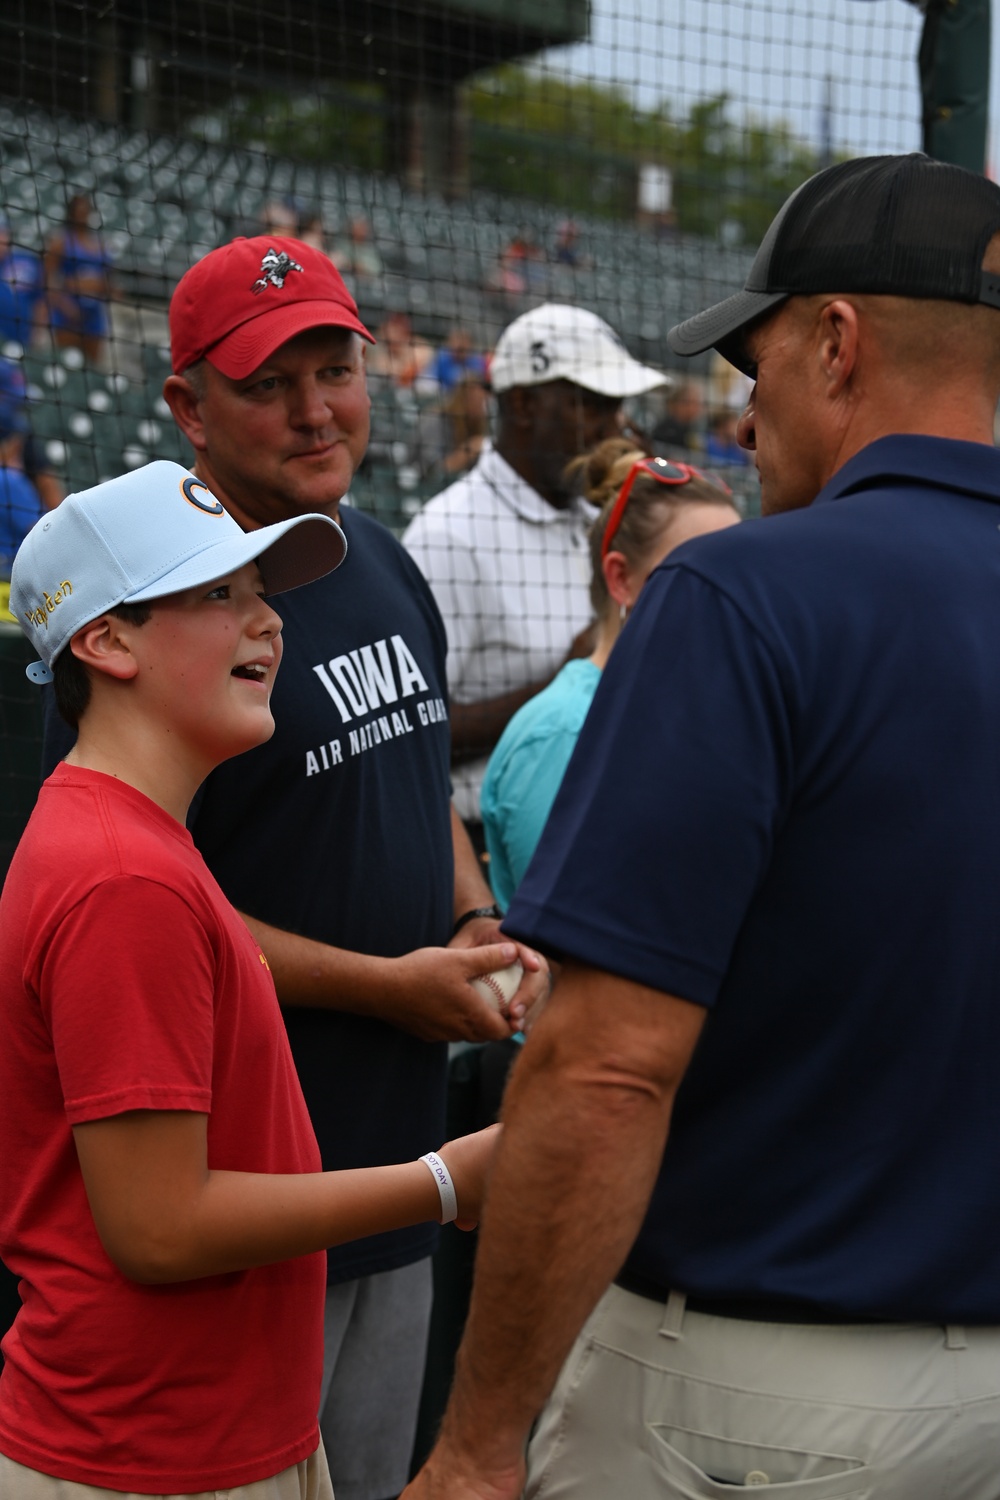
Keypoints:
pixel 445 1186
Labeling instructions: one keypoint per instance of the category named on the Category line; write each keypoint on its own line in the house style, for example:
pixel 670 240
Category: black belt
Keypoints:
pixel 750 1309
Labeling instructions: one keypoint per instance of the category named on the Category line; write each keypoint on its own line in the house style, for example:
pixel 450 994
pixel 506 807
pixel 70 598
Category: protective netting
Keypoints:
pixel 462 163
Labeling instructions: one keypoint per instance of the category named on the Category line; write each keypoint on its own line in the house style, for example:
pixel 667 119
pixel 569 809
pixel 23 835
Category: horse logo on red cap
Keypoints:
pixel 273 270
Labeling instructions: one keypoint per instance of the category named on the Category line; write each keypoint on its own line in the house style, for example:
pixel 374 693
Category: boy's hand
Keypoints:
pixel 469 1159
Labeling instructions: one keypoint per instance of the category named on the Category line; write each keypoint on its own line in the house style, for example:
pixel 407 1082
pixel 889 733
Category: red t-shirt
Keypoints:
pixel 127 981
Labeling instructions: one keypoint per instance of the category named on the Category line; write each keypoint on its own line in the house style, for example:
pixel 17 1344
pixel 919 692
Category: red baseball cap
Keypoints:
pixel 242 301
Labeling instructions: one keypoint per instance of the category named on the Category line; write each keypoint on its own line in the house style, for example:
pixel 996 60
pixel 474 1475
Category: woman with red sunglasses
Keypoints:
pixel 648 506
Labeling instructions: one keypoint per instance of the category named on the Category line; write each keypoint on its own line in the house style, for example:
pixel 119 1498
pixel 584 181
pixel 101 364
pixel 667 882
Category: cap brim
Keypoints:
pixel 289 554
pixel 608 378
pixel 247 347
pixel 718 327
pixel 628 378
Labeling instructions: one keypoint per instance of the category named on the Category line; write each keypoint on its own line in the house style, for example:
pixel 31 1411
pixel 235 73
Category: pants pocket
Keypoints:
pixel 705 1466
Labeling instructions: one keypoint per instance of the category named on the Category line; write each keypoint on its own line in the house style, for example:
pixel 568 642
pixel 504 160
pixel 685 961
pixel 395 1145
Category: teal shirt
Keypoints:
pixel 525 771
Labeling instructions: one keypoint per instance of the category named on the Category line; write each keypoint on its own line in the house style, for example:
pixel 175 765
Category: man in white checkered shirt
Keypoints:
pixel 505 548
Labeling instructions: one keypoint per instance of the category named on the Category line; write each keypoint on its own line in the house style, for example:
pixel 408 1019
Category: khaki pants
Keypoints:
pixel 309 1480
pixel 655 1401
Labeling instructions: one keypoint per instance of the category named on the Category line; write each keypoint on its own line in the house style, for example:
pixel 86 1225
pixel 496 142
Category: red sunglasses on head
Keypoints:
pixel 664 471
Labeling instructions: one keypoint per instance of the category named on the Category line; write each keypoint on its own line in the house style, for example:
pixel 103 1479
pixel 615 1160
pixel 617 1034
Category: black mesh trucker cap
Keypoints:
pixel 903 226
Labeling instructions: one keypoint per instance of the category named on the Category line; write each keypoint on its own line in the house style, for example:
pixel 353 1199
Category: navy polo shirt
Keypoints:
pixel 785 806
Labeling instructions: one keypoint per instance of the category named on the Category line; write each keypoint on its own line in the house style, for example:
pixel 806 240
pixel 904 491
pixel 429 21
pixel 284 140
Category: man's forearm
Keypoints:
pixel 310 973
pixel 471 888
pixel 426 993
pixel 476 727
pixel 586 1119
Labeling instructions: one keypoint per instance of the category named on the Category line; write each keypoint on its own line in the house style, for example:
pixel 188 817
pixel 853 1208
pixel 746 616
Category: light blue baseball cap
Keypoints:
pixel 153 532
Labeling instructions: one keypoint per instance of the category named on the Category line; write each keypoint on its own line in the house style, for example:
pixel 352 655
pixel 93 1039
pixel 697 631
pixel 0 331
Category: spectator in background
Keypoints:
pixel 312 232
pixel 22 283
pixel 566 249
pixel 33 459
pixel 399 355
pixel 521 265
pixel 356 253
pixel 455 361
pixel 722 449
pixel 679 430
pixel 51 490
pixel 20 503
pixel 666 227
pixel 505 548
pixel 280 216
pixel 78 281
pixel 728 388
pixel 648 506
pixel 451 433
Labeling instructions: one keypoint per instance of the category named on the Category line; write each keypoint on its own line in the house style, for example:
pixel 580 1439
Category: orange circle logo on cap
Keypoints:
pixel 188 488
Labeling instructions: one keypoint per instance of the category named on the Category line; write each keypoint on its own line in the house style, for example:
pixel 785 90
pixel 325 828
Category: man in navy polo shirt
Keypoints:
pixel 772 873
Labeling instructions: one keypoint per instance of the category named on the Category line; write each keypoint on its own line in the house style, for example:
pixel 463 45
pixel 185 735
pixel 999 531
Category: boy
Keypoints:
pixel 160 1191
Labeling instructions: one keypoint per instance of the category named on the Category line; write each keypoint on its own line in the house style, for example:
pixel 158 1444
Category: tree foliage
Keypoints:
pixel 580 146
pixel 576 145
pixel 726 174
pixel 345 126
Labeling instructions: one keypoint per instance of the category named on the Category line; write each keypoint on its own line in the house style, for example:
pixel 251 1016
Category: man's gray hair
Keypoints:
pixel 195 377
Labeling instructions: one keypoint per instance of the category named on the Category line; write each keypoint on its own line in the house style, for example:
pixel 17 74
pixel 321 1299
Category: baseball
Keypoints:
pixel 499 987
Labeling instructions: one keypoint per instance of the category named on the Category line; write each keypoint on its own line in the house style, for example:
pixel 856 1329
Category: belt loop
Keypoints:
pixel 954 1337
pixel 673 1317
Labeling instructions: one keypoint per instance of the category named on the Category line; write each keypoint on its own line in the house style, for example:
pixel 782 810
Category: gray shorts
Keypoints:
pixel 309 1480
pixel 374 1352
pixel 656 1401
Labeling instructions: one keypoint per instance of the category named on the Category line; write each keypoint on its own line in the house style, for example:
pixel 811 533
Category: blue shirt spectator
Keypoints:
pixel 20 503
pixel 21 287
pixel 20 508
pixel 526 769
pixel 78 282
pixel 721 447
pixel 455 361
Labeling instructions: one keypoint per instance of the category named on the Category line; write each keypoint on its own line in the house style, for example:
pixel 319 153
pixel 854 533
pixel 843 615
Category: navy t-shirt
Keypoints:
pixel 785 806
pixel 339 829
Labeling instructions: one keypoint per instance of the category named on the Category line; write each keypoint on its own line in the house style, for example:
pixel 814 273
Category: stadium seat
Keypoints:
pixel 164 201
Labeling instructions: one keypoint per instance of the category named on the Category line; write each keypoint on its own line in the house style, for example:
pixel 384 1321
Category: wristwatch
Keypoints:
pixel 477 911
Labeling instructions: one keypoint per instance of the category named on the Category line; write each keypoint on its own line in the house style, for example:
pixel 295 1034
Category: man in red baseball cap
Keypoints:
pixel 238 304
pixel 248 308
pixel 337 840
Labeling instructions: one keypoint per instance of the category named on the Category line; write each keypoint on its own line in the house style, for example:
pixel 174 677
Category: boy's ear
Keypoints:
pixel 103 645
